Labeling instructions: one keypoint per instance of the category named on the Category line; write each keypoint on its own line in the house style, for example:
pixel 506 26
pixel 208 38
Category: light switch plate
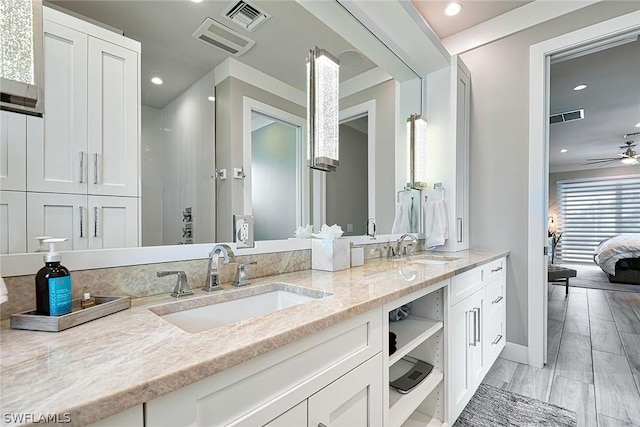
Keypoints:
pixel 243 231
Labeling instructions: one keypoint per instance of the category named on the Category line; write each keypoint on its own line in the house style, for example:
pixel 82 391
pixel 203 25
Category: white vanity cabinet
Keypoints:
pixel 87 141
pixel 448 104
pixel 13 222
pixel 477 316
pixel 331 377
pixel 13 149
pixel 420 336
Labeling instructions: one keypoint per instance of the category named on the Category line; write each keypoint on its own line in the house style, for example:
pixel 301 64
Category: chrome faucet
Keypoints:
pixel 212 283
pixel 401 249
pixel 182 284
pixel 242 278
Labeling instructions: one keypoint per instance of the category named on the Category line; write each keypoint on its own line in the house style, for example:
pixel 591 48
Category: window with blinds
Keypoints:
pixel 591 211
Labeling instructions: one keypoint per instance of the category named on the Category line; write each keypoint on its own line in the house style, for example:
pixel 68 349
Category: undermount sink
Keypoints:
pixel 204 313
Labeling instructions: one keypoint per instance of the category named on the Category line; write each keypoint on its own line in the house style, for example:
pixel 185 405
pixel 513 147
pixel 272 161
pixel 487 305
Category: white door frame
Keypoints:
pixel 539 55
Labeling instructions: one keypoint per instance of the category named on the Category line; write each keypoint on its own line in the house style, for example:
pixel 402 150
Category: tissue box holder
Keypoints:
pixel 330 255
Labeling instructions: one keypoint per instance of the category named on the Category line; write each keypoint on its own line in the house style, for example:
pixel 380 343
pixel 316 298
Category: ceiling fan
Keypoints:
pixel 627 157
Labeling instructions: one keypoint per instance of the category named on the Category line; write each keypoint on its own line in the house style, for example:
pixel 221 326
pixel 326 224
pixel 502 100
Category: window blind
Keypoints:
pixel 591 211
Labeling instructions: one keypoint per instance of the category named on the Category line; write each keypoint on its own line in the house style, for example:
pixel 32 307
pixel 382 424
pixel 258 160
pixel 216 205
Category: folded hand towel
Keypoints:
pixel 402 222
pixel 436 227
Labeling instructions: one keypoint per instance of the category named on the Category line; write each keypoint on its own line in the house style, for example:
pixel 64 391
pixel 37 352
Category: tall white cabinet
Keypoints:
pixel 82 158
pixel 448 103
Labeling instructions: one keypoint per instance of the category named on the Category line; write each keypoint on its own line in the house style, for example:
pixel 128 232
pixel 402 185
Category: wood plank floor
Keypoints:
pixel 593 364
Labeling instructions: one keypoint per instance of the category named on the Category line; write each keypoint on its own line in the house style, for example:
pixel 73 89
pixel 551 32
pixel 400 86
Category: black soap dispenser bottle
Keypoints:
pixel 53 284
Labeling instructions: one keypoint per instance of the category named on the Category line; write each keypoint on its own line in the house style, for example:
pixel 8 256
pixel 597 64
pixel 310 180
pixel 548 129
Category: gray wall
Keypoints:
pixel 347 187
pixel 385 96
pixel 499 146
pixel 273 181
pixel 229 151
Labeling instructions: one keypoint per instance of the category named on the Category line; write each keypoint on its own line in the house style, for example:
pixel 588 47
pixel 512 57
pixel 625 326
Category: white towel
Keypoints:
pixel 436 227
pixel 402 223
pixel 3 291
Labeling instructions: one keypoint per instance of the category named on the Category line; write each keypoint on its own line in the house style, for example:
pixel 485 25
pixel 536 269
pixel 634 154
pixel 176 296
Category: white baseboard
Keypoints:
pixel 516 353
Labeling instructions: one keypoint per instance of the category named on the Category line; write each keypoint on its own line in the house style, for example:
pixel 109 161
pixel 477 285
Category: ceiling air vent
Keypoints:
pixel 216 34
pixel 245 15
pixel 567 116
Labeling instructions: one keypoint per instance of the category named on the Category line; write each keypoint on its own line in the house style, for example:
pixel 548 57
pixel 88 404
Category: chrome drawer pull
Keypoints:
pixel 495 270
pixel 497 300
pixel 497 340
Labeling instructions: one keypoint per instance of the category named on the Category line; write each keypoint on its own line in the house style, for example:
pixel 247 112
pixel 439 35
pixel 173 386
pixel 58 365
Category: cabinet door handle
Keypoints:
pixel 477 310
pixel 321 425
pixel 81 168
pixel 497 300
pixel 81 221
pixel 459 229
pixel 497 340
pixel 95 221
pixel 495 270
pixel 95 168
pixel 473 312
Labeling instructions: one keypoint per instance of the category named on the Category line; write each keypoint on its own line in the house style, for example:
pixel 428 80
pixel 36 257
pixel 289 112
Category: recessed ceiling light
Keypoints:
pixel 564 150
pixel 453 9
pixel 156 80
pixel 638 125
pixel 580 87
pixel 197 1
pixel 211 98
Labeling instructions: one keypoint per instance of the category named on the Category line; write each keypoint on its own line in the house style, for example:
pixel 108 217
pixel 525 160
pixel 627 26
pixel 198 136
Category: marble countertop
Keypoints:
pixel 103 367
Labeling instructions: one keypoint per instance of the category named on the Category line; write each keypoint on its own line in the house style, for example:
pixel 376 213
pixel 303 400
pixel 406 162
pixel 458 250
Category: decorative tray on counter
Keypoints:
pixel 104 306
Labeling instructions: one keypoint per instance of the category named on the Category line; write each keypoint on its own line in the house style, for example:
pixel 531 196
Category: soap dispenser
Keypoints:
pixel 53 284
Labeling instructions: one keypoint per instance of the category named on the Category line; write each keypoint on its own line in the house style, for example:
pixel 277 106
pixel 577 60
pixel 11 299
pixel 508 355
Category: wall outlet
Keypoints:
pixel 243 231
pixel 349 228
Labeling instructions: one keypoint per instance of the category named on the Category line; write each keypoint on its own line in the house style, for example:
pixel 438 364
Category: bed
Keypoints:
pixel 619 257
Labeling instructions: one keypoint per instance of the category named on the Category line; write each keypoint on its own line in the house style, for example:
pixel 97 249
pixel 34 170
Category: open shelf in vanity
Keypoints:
pixel 419 336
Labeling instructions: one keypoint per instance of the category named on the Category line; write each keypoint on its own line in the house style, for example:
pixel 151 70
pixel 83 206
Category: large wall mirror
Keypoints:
pixel 220 122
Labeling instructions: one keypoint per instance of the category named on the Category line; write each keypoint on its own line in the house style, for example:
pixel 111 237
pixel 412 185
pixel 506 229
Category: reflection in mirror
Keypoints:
pixel 276 168
pixel 347 187
pixel 193 126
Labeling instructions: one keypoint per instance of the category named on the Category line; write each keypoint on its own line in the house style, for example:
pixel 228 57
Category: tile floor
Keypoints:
pixel 593 362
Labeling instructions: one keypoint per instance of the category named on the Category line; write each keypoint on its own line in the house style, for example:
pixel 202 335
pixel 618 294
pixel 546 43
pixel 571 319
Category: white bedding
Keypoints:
pixel 611 250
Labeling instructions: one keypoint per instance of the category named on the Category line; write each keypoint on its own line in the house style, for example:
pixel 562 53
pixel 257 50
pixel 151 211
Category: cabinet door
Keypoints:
pixel 354 399
pixel 57 143
pixel 57 215
pixel 296 416
pixel 13 222
pixel 13 151
pixel 113 222
pixel 463 94
pixel 113 119
pixel 466 342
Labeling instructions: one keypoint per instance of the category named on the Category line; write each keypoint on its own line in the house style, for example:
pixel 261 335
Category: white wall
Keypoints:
pixel 499 146
pixel 152 172
pixel 188 123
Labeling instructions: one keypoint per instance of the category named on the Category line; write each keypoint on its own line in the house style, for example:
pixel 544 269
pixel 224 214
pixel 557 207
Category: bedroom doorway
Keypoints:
pixel 541 55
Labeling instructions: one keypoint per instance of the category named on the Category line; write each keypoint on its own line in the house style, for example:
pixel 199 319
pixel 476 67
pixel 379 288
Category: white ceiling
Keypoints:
pixel 611 100
pixel 164 28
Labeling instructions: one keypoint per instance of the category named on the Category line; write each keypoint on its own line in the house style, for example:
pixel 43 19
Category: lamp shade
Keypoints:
pixel 323 110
